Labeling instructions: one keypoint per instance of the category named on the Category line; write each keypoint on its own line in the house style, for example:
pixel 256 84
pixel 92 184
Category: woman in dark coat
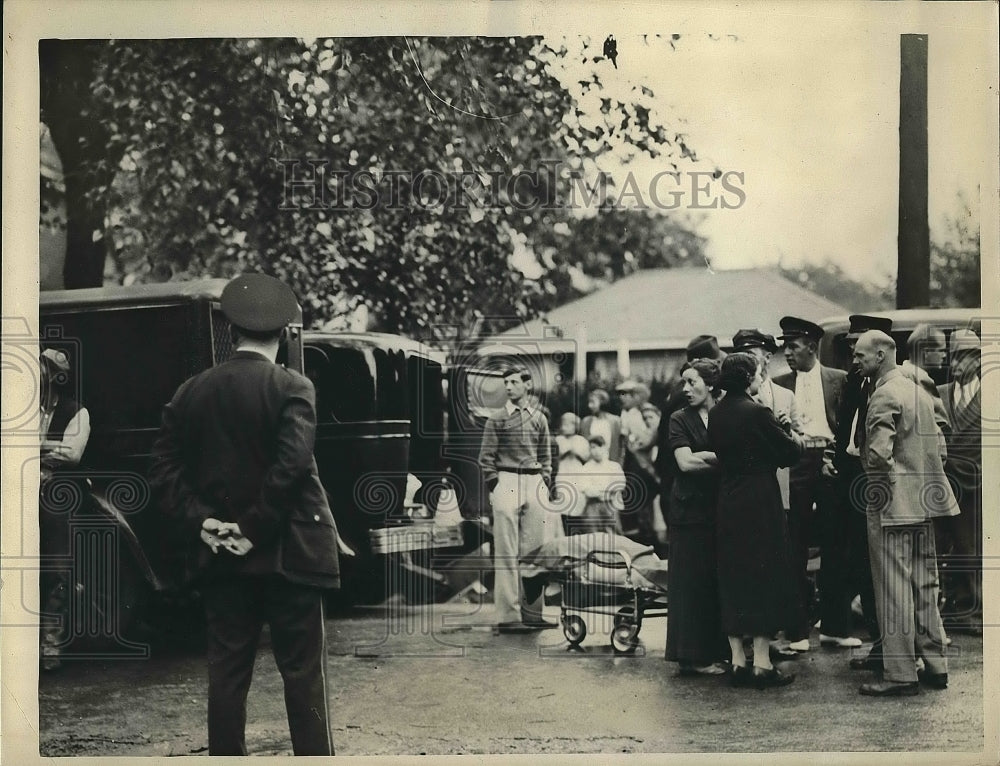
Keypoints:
pixel 694 633
pixel 751 533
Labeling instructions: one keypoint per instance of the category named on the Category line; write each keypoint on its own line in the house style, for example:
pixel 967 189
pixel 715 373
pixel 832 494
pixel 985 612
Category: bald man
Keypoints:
pixel 907 488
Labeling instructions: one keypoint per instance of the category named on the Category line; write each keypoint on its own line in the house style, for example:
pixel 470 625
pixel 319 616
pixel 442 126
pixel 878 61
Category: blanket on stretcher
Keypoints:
pixel 567 553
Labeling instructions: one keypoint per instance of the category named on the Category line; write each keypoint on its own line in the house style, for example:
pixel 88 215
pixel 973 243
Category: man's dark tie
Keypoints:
pixel 859 432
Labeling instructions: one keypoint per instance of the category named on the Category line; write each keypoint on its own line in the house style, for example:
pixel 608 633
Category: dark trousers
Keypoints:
pixel 961 540
pixel 236 610
pixel 845 569
pixel 854 488
pixel 804 490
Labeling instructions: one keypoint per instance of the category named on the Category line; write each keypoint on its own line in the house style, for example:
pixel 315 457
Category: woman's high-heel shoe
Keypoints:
pixel 764 679
pixel 740 675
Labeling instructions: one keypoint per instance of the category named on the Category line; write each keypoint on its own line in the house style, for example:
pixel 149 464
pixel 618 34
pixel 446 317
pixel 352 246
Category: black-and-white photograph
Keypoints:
pixel 500 379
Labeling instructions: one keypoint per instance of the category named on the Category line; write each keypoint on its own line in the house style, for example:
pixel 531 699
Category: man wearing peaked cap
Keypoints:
pixel 862 323
pixel 846 559
pixel 233 470
pixel 817 392
pixel 744 340
pixel 259 303
pixel 794 327
pixel 962 534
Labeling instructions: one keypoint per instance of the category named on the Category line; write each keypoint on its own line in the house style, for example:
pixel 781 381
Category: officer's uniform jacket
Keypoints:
pixel 236 444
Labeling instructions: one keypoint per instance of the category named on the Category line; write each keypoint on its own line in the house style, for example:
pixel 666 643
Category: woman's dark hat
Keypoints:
pixel 794 327
pixel 862 323
pixel 259 303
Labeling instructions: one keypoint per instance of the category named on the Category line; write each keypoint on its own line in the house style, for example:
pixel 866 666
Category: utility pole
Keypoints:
pixel 914 246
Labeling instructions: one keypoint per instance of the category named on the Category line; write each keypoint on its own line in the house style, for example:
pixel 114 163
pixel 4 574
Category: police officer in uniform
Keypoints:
pixel 234 471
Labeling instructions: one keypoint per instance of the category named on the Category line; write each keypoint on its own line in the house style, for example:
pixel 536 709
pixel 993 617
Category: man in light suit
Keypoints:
pixel 817 392
pixel 233 470
pixel 907 488
pixel 962 535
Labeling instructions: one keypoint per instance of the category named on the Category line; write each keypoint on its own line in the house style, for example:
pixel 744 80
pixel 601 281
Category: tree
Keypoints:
pixel 956 279
pixel 195 148
pixel 829 280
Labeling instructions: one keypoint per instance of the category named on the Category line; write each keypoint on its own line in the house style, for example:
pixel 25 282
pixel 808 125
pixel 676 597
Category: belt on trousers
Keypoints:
pixel 816 442
pixel 529 471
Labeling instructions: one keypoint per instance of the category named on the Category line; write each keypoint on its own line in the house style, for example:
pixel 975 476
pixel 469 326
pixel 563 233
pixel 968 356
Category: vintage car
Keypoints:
pixel 381 423
pixel 834 352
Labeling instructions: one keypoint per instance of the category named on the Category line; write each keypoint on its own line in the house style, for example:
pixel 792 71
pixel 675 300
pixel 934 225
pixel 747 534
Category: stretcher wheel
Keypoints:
pixel 625 616
pixel 625 637
pixel 575 629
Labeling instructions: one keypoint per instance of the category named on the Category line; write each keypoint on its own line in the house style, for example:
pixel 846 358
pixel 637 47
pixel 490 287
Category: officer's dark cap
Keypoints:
pixel 862 323
pixel 747 339
pixel 259 303
pixel 704 347
pixel 794 327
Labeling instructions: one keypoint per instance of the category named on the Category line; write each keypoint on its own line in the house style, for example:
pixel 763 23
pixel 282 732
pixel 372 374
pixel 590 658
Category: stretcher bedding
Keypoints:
pixel 563 554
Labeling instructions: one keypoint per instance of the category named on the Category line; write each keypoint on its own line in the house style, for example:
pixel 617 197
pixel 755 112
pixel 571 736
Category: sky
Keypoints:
pixel 808 110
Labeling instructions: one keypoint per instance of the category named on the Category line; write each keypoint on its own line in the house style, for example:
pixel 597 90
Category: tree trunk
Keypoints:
pixel 67 99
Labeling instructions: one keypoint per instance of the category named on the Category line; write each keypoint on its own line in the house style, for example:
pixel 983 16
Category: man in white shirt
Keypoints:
pixel 817 392
pixel 64 426
pixel 64 429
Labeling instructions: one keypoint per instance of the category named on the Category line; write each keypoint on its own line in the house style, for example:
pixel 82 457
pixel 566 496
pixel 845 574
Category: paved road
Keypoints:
pixel 435 680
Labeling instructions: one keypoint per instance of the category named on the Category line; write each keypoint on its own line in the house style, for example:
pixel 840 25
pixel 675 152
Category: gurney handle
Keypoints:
pixel 592 558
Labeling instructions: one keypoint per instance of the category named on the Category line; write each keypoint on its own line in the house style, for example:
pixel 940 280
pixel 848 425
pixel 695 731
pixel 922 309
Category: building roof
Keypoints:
pixel 664 308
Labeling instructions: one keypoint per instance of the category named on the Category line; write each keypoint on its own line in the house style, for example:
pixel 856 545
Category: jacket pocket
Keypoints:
pixel 310 546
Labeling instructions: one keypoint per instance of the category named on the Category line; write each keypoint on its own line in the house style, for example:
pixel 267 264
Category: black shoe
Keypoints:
pixel 533 587
pixel 933 680
pixel 873 664
pixel 890 689
pixel 505 628
pixel 539 624
pixel 764 679
pixel 739 675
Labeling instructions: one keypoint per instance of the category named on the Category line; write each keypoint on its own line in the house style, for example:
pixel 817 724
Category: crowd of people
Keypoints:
pixel 878 469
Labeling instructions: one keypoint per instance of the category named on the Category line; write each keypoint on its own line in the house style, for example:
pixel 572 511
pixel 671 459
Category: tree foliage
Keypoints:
pixel 829 280
pixel 956 279
pixel 194 144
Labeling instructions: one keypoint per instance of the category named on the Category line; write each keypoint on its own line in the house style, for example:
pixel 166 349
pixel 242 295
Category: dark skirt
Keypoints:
pixel 755 582
pixel 694 632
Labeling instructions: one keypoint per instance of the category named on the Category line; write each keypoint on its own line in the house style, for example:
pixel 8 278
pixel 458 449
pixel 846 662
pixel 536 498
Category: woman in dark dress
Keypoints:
pixel 694 633
pixel 751 534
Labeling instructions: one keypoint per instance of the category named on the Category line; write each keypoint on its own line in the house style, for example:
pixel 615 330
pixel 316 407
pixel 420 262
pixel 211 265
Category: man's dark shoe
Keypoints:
pixel 873 664
pixel 933 680
pixel 890 689
pixel 539 624
pixel 505 628
pixel 533 587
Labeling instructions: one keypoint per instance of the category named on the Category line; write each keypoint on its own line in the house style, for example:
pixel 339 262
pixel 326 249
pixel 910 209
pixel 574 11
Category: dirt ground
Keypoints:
pixel 435 680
